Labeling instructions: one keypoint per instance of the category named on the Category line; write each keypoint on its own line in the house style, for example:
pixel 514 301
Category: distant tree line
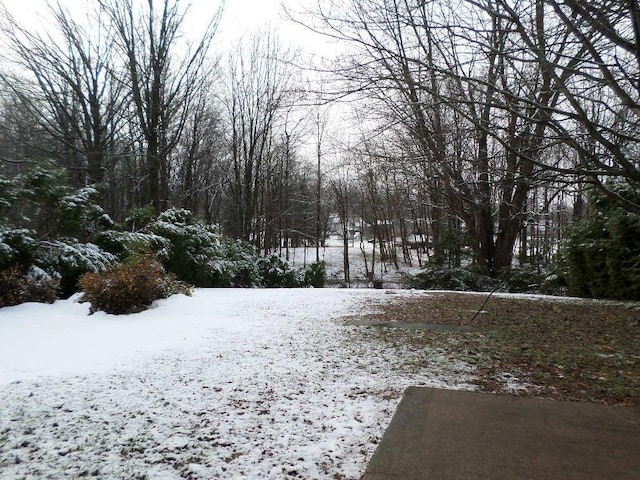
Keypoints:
pixel 125 100
pixel 490 133
pixel 494 124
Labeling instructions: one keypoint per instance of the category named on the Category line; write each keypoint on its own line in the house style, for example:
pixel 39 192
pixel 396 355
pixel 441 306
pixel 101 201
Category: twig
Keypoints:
pixel 485 301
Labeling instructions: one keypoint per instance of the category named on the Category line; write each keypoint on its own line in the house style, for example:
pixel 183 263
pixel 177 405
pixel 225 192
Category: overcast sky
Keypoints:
pixel 245 13
pixel 240 17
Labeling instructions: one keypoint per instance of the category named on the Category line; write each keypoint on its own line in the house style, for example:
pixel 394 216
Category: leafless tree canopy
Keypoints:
pixel 480 123
pixel 486 101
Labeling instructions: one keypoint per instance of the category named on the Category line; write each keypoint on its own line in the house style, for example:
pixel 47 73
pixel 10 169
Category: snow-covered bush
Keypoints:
pixel 51 226
pixel 130 287
pixel 7 198
pixel 237 265
pixel 80 216
pixel 63 259
pixel 437 277
pixel 18 248
pixel 200 255
pixel 16 287
pixel 316 275
pixel 277 273
pixel 125 244
pixel 35 198
pixel 42 200
pixel 68 259
pixel 191 248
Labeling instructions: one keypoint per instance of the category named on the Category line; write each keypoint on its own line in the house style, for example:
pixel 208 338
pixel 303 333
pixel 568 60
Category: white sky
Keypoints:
pixel 240 17
pixel 242 12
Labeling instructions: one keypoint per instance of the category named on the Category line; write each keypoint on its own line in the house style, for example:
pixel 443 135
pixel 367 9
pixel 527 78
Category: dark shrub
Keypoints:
pixel 199 254
pixel 78 215
pixel 601 256
pixel 17 288
pixel 435 277
pixel 139 217
pixel 316 275
pixel 130 287
pixel 18 247
pixel 527 278
pixel 69 259
pixel 277 273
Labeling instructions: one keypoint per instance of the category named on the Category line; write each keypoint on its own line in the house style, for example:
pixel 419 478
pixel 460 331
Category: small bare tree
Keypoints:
pixel 342 203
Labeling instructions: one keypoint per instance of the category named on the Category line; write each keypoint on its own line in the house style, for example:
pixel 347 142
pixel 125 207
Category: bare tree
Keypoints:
pixel 321 122
pixel 162 84
pixel 342 204
pixel 475 107
pixel 200 161
pixel 70 89
pixel 22 140
pixel 593 69
pixel 259 84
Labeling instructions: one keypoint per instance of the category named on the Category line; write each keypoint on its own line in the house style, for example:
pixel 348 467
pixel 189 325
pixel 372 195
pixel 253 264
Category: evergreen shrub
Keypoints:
pixel 519 279
pixel 18 248
pixel 50 226
pixel 277 273
pixel 130 287
pixel 78 215
pixel 138 218
pixel 200 255
pixel 531 278
pixel 600 257
pixel 17 287
pixel 68 259
pixel 439 277
pixel 235 265
pixel 316 275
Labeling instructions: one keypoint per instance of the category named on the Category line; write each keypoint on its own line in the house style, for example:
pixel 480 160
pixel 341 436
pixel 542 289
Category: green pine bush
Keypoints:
pixel 316 275
pixel 440 277
pixel 69 259
pixel 199 254
pixel 601 256
pixel 277 273
pixel 18 247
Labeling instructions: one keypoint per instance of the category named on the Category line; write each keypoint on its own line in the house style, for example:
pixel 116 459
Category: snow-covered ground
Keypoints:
pixel 242 384
pixel 333 256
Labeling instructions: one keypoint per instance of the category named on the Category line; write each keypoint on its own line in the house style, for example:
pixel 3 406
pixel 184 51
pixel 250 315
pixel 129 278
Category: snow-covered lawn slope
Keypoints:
pixel 242 384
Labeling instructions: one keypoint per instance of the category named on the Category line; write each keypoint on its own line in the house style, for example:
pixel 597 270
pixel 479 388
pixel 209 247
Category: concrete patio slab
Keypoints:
pixel 444 434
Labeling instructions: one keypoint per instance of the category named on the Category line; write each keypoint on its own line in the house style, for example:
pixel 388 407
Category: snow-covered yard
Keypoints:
pixel 246 384
pixel 333 256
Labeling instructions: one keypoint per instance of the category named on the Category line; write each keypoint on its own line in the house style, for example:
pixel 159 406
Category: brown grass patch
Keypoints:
pixel 565 349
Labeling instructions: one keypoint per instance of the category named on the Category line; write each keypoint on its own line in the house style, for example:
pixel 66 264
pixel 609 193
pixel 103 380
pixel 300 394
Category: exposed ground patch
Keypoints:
pixel 556 348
